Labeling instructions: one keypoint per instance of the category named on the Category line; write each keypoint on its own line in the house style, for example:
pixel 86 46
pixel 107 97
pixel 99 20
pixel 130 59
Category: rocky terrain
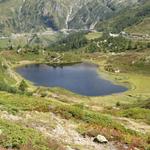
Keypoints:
pixel 38 15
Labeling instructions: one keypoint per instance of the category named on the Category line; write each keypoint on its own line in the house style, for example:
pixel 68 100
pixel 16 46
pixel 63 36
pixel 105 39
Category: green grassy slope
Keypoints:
pixel 140 28
pixel 126 18
pixel 90 120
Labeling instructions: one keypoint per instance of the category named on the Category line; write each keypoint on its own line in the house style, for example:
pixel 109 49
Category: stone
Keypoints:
pixel 1 132
pixel 117 71
pixel 100 139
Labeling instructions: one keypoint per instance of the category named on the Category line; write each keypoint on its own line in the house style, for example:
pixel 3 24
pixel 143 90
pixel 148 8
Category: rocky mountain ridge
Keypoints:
pixel 37 15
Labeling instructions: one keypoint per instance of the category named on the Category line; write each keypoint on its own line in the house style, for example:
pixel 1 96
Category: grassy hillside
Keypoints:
pixel 128 17
pixel 39 115
pixel 42 118
pixel 39 39
pixel 140 28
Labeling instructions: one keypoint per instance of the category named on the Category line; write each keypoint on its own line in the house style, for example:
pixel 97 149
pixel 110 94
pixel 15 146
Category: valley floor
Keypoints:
pixel 58 119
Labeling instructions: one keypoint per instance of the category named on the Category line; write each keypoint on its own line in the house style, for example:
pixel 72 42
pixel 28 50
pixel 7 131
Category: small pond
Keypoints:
pixel 80 78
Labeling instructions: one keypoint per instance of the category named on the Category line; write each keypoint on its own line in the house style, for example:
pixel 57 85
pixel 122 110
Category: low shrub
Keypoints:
pixel 14 136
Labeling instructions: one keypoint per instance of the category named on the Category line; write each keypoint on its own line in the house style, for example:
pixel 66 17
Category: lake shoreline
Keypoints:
pixel 100 71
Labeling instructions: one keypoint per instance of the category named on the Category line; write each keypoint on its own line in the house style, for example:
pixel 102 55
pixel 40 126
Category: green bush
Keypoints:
pixel 15 136
pixel 7 88
pixel 23 86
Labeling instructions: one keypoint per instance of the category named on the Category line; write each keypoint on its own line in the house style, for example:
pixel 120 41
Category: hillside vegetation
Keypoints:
pixel 26 111
pixel 114 35
pixel 140 28
pixel 127 18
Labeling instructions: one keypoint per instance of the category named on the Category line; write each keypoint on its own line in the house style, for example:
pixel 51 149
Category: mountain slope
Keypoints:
pixel 128 17
pixel 140 28
pixel 98 10
pixel 36 15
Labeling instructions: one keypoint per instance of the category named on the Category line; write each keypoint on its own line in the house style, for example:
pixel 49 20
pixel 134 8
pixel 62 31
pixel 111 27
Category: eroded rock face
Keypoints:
pixel 100 139
pixel 37 15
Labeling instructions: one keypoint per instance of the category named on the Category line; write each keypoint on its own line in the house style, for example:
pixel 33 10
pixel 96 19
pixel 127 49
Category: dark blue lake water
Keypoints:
pixel 80 78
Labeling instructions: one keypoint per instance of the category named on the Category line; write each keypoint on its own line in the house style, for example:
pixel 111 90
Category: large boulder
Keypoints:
pixel 100 139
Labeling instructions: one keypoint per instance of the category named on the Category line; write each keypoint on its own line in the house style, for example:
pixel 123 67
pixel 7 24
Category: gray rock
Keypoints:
pixel 100 139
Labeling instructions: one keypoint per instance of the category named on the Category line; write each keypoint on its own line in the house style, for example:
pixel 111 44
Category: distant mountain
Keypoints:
pixel 132 19
pixel 38 15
